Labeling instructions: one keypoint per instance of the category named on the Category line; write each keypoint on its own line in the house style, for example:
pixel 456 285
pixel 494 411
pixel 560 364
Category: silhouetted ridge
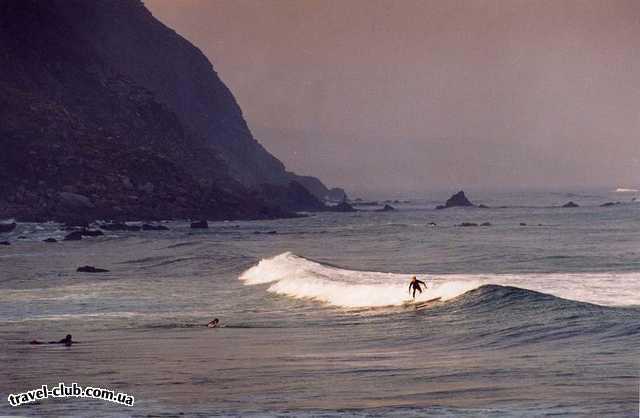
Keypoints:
pixel 106 113
pixel 181 77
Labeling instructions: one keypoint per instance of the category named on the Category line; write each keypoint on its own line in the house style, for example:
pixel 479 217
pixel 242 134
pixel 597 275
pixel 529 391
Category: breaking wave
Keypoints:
pixel 298 277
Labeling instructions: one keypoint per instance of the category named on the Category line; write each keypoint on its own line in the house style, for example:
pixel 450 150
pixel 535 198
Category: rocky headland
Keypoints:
pixel 105 113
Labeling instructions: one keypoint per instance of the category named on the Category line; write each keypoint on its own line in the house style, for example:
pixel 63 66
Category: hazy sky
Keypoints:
pixel 422 95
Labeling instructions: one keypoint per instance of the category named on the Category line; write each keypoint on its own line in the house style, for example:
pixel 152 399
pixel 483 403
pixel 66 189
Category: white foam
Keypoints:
pixel 624 190
pixel 299 277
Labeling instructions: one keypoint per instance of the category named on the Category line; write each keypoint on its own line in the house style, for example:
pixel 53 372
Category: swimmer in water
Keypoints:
pixel 66 341
pixel 214 324
pixel 415 285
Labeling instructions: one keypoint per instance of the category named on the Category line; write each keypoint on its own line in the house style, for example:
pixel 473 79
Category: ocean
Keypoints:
pixel 538 313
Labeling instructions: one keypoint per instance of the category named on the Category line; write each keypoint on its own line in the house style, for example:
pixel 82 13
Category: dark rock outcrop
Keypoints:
pixel 467 224
pixel 105 113
pixel 570 205
pixel 485 224
pixel 608 204
pixel 181 78
pixel 203 224
pixel 91 269
pixel 458 199
pixel 5 243
pixel 50 240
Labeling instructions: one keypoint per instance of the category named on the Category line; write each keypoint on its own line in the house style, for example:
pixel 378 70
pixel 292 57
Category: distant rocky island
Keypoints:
pixel 106 113
pixel 457 200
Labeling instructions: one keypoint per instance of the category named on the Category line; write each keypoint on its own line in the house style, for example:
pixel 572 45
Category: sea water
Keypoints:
pixel 541 318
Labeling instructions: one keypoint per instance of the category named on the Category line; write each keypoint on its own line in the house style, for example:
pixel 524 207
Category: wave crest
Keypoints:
pixel 298 277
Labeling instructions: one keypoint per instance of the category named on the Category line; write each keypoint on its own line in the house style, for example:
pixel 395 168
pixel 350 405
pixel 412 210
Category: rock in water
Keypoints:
pixel 91 269
pixel 468 224
pixel 5 243
pixel 458 199
pixel 570 205
pixel 200 224
pixel 50 240
pixel 7 227
pixel 485 224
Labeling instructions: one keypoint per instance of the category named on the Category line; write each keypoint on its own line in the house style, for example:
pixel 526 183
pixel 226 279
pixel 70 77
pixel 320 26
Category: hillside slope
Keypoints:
pixel 80 139
pixel 181 77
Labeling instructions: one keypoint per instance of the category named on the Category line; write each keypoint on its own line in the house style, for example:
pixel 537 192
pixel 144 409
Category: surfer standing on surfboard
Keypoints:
pixel 415 285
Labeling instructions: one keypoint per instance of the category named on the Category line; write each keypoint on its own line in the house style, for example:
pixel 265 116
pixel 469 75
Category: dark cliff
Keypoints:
pixel 106 113
pixel 181 77
pixel 81 140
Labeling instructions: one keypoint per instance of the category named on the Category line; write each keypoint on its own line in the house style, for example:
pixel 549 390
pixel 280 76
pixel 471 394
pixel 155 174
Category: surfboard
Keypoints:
pixel 421 304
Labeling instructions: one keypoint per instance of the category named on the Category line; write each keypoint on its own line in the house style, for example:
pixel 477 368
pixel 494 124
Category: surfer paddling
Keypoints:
pixel 415 285
pixel 66 341
pixel 214 324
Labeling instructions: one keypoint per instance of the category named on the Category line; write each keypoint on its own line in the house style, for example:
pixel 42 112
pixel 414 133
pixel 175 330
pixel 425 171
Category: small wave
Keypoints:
pixel 174 261
pixel 298 277
pixel 183 244
pixel 144 260
pixel 98 316
pixel 625 190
